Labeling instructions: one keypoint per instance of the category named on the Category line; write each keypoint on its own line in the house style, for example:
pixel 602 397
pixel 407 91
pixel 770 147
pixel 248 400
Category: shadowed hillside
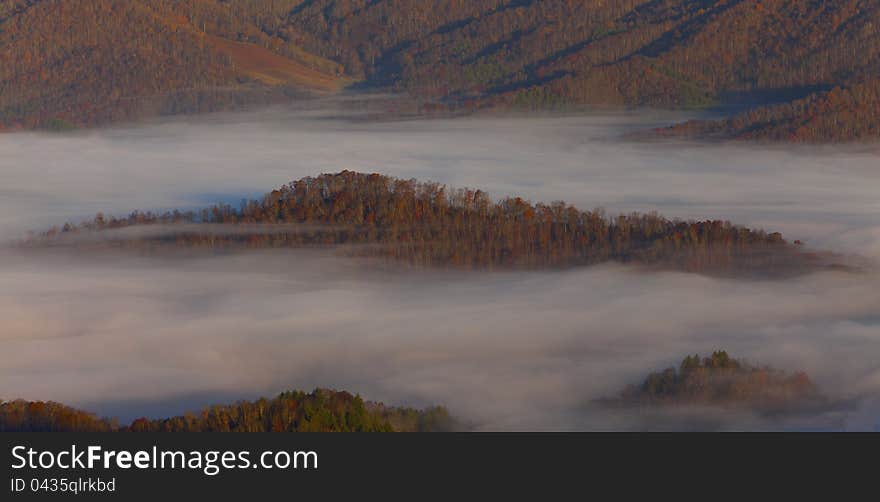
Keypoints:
pixel 668 53
pixel 65 62
pixel 841 114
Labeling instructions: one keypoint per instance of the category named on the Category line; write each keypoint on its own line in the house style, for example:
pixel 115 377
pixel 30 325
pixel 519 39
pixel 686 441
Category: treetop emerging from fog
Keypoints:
pixel 429 224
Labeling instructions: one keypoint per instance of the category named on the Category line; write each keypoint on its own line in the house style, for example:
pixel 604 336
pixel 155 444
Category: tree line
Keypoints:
pixel 429 224
pixel 322 410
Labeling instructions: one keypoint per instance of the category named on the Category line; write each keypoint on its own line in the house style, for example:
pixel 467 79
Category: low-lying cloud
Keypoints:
pixel 128 335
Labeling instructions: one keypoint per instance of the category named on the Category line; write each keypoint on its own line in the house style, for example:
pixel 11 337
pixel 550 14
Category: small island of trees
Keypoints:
pixel 429 224
pixel 721 380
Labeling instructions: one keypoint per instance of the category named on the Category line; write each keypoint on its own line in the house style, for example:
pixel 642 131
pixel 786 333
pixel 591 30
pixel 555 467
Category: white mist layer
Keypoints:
pixel 127 335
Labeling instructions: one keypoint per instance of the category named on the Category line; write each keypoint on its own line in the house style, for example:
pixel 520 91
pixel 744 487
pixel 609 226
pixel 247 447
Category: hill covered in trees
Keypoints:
pixel 66 63
pixel 63 61
pixel 319 411
pixel 721 380
pixel 428 224
pixel 841 114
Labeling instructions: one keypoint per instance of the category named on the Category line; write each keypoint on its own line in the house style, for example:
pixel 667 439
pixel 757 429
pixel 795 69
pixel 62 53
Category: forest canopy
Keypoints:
pixel 322 410
pixel 429 224
pixel 809 70
pixel 719 379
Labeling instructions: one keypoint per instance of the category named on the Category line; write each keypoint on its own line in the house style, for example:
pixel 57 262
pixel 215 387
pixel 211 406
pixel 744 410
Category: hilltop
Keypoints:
pixel 322 410
pixel 720 380
pixel 432 225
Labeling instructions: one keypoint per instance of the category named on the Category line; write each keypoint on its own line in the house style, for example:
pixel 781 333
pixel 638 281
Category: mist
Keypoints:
pixel 129 335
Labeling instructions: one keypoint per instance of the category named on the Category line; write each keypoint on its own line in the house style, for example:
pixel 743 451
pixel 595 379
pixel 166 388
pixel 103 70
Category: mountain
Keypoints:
pixel 429 224
pixel 70 63
pixel 70 57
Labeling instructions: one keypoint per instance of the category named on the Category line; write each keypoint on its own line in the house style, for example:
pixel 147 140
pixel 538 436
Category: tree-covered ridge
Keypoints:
pixel 319 411
pixel 40 416
pixel 633 51
pixel 430 224
pixel 722 380
pixel 841 114
pixel 67 62
pixel 669 53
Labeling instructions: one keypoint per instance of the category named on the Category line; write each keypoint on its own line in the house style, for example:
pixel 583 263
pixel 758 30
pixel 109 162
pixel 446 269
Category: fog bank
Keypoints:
pixel 130 335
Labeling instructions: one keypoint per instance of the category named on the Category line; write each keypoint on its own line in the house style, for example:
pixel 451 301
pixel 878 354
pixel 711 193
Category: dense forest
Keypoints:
pixel 722 380
pixel 815 63
pixel 66 63
pixel 429 224
pixel 841 114
pixel 319 411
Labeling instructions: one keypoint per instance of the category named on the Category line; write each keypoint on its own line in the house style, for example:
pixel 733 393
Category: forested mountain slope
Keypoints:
pixel 656 52
pixel 68 57
pixel 69 63
pixel 841 114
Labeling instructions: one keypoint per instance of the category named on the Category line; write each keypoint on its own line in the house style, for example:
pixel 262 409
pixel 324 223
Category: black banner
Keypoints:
pixel 377 466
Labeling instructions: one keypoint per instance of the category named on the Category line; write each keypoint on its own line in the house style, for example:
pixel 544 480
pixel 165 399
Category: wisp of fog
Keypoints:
pixel 128 335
